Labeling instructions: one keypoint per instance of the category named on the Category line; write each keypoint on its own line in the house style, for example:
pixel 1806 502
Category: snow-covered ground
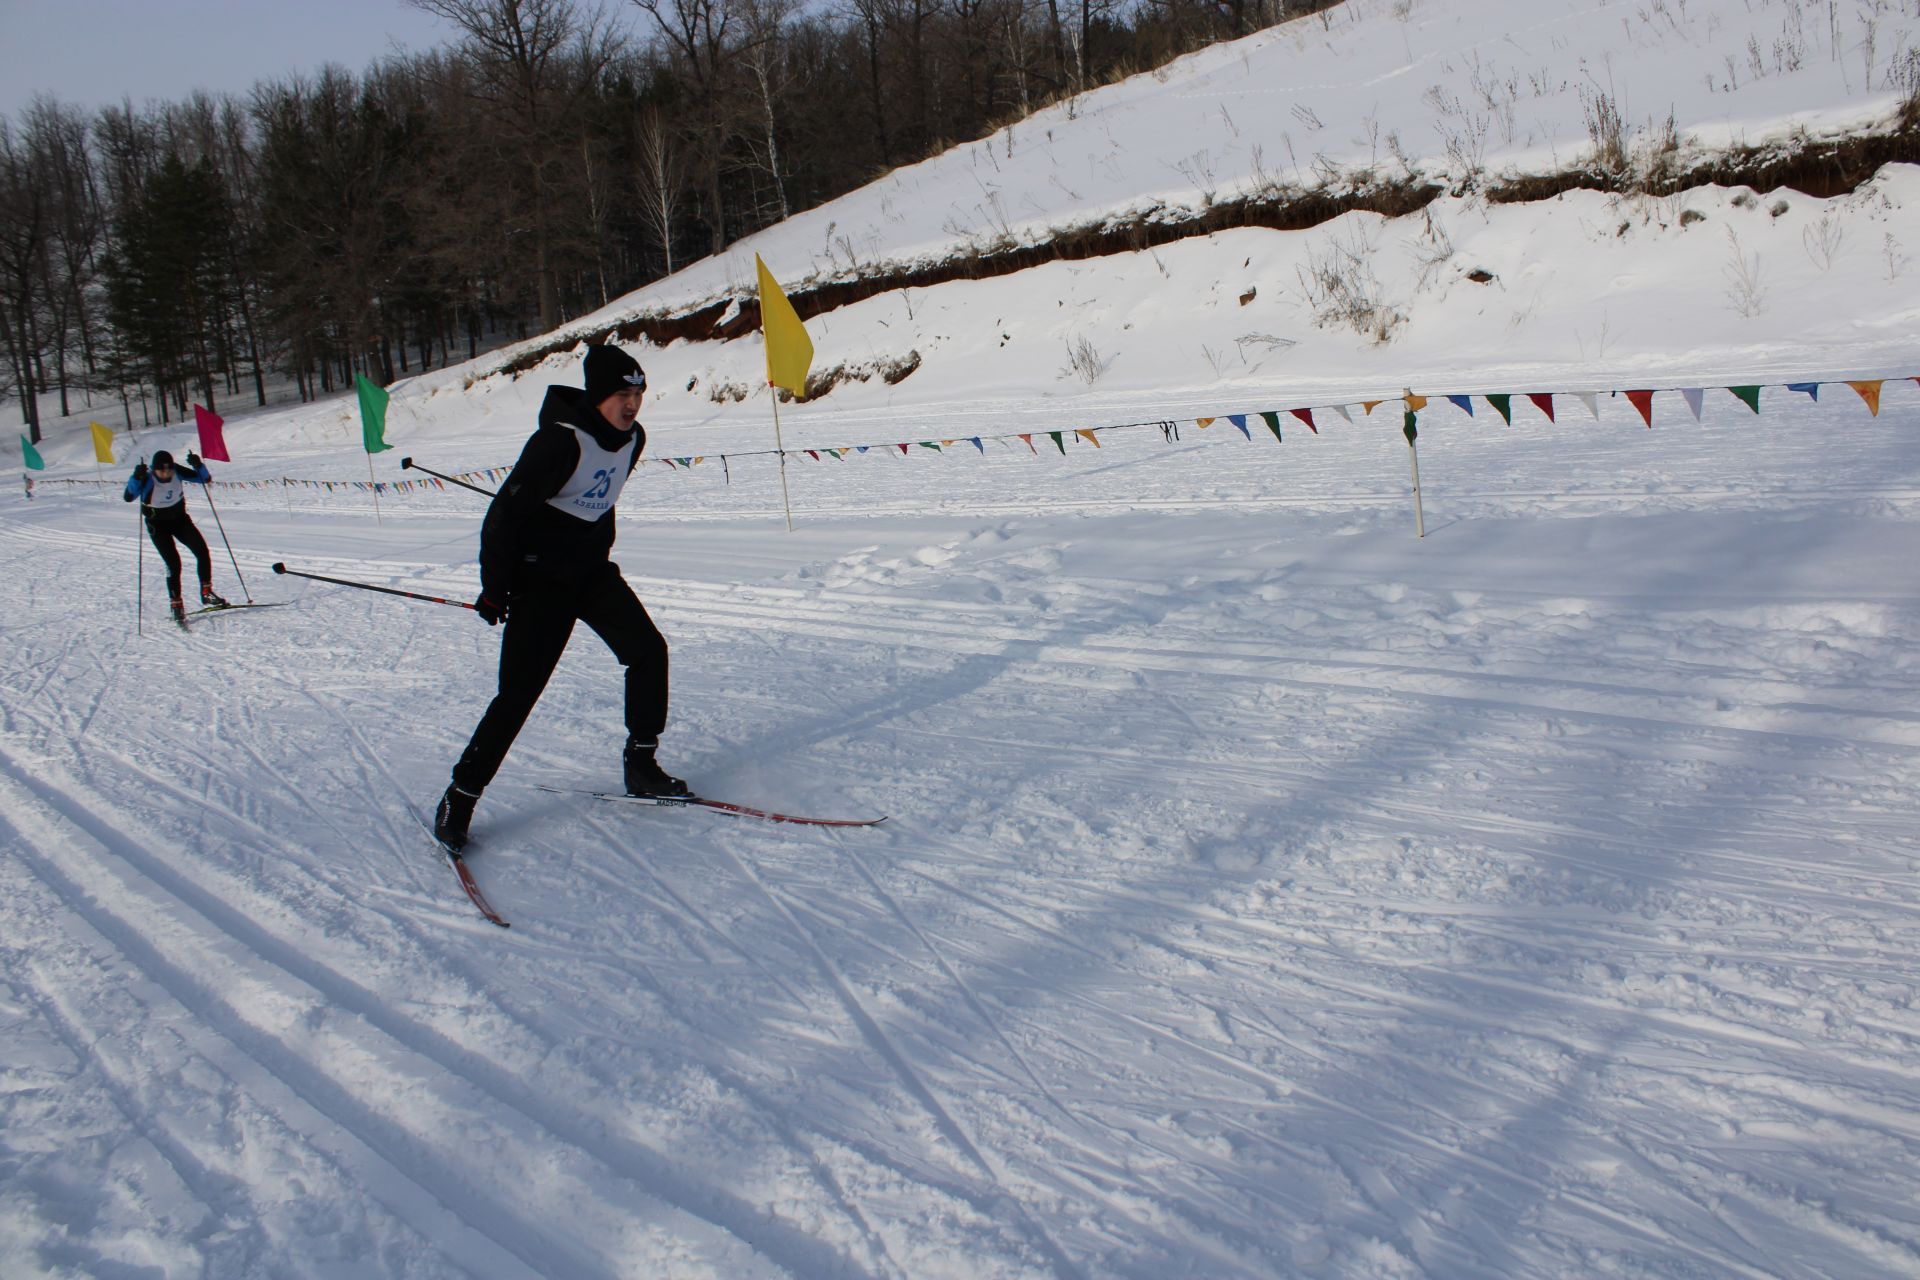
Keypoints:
pixel 1265 891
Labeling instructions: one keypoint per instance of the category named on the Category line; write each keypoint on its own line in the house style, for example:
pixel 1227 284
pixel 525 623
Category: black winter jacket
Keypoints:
pixel 524 543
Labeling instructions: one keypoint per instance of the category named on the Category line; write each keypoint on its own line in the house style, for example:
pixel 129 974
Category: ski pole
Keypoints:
pixel 279 567
pixel 407 464
pixel 221 525
pixel 140 574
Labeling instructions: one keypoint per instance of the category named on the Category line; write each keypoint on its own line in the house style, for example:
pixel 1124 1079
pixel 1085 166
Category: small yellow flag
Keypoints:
pixel 1869 392
pixel 789 349
pixel 102 442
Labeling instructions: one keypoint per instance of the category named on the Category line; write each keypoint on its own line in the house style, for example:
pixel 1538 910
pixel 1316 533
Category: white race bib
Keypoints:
pixel 597 478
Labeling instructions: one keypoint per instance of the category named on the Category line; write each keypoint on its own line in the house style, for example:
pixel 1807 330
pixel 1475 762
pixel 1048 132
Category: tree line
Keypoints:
pixel 548 160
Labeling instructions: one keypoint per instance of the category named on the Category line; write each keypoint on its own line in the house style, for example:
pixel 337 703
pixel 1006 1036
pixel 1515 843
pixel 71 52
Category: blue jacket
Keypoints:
pixel 140 487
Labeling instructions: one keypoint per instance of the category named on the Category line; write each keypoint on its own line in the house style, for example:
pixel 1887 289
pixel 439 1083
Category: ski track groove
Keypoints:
pixel 959 983
pixel 882 1045
pixel 626 1157
pixel 268 1064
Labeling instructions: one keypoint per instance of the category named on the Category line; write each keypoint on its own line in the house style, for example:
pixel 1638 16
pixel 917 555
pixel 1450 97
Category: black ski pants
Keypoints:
pixel 539 623
pixel 165 532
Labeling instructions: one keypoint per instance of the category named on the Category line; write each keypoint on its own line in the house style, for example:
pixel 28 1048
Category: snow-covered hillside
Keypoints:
pixel 1264 891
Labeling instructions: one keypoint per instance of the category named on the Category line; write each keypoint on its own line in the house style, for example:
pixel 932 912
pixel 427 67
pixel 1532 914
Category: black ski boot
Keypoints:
pixel 451 818
pixel 178 609
pixel 645 777
pixel 210 600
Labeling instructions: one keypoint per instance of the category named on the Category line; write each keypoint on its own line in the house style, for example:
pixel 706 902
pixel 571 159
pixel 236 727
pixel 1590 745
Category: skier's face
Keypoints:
pixel 622 407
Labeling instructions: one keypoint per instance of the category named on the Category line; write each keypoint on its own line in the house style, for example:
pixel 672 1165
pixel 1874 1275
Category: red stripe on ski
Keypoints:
pixel 719 806
pixel 473 890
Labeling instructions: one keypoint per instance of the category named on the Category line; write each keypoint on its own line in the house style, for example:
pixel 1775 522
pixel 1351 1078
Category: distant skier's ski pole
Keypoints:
pixel 221 525
pixel 139 574
pixel 408 464
pixel 279 567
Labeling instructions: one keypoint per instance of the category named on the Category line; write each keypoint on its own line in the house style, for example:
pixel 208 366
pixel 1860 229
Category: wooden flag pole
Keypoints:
pixel 785 500
pixel 1413 455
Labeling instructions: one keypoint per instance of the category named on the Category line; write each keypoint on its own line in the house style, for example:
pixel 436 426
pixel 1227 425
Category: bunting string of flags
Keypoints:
pixel 1544 402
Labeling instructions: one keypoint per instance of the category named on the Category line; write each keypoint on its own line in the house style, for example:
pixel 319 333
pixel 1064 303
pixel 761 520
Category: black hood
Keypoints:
pixel 567 406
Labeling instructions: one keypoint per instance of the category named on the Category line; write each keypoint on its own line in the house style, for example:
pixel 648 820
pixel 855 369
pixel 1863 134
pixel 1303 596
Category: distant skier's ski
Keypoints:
pixel 718 806
pixel 229 608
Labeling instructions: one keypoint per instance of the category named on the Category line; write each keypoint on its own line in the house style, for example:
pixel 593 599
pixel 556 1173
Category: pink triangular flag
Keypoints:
pixel 212 444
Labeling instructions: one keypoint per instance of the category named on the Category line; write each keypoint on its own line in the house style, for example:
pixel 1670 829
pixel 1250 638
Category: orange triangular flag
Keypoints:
pixel 1870 392
pixel 1414 403
pixel 1203 423
pixel 1087 435
pixel 1371 405
pixel 1029 439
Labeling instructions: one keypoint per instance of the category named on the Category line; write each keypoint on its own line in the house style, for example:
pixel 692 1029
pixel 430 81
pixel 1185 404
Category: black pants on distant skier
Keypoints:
pixel 539 623
pixel 165 532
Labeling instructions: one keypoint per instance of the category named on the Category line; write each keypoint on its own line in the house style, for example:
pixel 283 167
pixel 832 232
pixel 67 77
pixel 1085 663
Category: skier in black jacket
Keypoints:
pixel 544 566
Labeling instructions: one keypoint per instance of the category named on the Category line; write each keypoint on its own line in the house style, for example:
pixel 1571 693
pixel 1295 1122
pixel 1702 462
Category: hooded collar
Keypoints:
pixel 567 406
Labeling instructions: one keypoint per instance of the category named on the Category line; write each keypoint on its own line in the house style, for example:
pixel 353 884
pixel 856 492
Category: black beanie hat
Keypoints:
pixel 161 458
pixel 609 369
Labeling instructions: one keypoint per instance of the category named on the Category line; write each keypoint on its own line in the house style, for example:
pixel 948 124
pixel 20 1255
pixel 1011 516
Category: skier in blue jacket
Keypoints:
pixel 163 501
pixel 544 566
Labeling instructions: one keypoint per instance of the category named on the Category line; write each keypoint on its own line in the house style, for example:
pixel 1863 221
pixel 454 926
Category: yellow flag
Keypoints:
pixel 102 442
pixel 789 350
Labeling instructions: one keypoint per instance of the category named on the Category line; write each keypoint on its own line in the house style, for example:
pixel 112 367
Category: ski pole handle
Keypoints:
pixel 279 567
pixel 408 464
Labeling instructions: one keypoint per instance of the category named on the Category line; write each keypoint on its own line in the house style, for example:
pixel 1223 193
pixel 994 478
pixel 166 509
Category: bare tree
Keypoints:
pixel 532 62
pixel 765 60
pixel 25 232
pixel 705 37
pixel 659 179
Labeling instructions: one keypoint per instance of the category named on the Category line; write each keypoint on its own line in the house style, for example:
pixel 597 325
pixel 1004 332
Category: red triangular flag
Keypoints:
pixel 1543 401
pixel 1306 416
pixel 212 444
pixel 1643 401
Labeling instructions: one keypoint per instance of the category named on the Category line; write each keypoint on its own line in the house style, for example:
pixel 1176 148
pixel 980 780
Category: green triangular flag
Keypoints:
pixel 1505 406
pixel 373 414
pixel 1750 396
pixel 1058 443
pixel 1272 419
pixel 32 455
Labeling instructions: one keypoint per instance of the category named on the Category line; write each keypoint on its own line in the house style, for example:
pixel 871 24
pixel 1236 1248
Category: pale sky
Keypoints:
pixel 89 53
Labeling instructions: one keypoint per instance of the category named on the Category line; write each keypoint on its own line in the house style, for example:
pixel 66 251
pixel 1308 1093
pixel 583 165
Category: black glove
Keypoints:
pixel 140 473
pixel 193 460
pixel 490 612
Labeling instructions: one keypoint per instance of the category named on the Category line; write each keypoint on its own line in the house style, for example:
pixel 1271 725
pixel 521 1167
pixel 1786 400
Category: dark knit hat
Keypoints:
pixel 609 369
pixel 161 458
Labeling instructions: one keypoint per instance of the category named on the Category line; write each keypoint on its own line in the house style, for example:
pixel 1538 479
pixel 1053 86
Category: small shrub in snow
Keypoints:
pixel 1744 291
pixel 1341 289
pixel 1606 130
pixel 1822 240
pixel 1083 360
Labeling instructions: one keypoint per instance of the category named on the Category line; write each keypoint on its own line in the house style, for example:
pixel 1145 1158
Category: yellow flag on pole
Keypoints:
pixel 102 442
pixel 789 350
